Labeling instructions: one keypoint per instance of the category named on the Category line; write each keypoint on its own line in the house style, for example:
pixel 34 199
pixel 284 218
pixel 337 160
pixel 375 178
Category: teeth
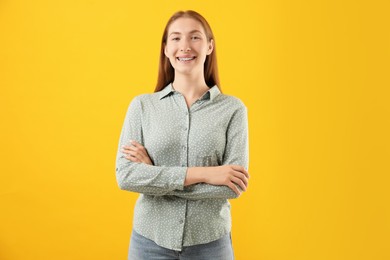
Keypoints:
pixel 185 59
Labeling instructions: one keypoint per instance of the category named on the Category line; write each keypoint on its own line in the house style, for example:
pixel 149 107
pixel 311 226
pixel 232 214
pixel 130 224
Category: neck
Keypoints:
pixel 189 85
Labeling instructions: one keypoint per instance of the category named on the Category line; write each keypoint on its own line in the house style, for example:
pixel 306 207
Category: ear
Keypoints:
pixel 211 47
pixel 165 50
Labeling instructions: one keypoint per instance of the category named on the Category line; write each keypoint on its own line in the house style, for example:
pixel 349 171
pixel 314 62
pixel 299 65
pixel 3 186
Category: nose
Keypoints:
pixel 185 46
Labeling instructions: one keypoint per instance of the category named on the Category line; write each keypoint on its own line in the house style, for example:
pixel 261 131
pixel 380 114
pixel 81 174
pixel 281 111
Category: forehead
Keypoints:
pixel 185 25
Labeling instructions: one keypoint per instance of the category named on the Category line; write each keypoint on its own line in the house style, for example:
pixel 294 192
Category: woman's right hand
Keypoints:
pixel 228 175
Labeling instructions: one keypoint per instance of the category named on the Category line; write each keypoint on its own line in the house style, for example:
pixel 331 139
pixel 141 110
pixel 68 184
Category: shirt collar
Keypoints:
pixel 210 94
pixel 165 91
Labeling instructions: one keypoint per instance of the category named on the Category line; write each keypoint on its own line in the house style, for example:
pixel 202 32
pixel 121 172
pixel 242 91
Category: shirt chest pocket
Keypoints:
pixel 206 160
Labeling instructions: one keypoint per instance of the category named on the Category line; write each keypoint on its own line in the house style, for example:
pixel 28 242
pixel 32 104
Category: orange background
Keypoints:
pixel 313 74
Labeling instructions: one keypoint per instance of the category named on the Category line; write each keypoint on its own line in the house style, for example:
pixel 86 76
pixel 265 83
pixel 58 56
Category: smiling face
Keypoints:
pixel 187 46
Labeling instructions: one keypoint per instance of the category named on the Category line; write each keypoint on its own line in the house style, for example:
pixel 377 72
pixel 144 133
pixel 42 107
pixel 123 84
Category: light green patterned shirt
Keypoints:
pixel 212 132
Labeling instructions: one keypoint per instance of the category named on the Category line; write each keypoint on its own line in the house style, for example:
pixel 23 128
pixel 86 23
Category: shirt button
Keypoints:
pixel 184 147
pixel 181 221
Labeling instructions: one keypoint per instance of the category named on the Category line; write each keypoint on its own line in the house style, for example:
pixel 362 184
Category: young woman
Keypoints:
pixel 184 148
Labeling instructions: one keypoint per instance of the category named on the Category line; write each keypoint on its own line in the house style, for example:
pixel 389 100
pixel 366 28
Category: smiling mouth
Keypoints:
pixel 186 59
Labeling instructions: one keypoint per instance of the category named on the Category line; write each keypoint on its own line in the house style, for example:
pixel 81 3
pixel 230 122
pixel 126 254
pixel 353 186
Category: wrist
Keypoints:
pixel 195 175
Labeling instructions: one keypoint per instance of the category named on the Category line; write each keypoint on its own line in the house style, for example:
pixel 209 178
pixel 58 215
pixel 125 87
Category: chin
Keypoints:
pixel 184 72
pixel 187 71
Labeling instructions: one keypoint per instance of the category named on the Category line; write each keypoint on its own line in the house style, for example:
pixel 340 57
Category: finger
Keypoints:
pixel 130 144
pixel 239 182
pixel 126 147
pixel 242 177
pixel 130 153
pixel 140 154
pixel 134 151
pixel 139 149
pixel 234 188
pixel 132 148
pixel 131 158
pixel 244 171
pixel 137 155
pixel 125 152
pixel 135 160
pixel 241 169
pixel 238 174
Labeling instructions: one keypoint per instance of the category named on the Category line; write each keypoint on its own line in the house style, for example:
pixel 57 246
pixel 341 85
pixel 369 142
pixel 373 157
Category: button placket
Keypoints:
pixel 184 146
pixel 186 119
pixel 181 216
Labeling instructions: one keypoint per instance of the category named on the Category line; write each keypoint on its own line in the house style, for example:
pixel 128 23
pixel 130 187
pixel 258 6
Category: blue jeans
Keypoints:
pixel 142 248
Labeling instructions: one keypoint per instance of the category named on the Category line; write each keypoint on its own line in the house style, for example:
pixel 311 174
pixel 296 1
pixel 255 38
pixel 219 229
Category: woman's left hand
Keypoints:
pixel 136 153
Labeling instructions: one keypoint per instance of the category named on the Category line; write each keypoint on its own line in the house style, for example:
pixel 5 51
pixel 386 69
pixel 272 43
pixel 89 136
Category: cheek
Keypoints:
pixel 170 50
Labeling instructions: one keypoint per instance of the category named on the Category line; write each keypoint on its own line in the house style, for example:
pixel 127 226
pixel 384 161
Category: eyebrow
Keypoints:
pixel 193 31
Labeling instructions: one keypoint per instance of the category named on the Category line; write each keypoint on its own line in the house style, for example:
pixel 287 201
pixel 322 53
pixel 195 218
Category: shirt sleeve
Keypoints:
pixel 237 140
pixel 236 152
pixel 202 191
pixel 141 177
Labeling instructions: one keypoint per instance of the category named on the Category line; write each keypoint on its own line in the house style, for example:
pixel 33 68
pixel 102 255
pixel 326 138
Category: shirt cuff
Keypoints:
pixel 180 173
